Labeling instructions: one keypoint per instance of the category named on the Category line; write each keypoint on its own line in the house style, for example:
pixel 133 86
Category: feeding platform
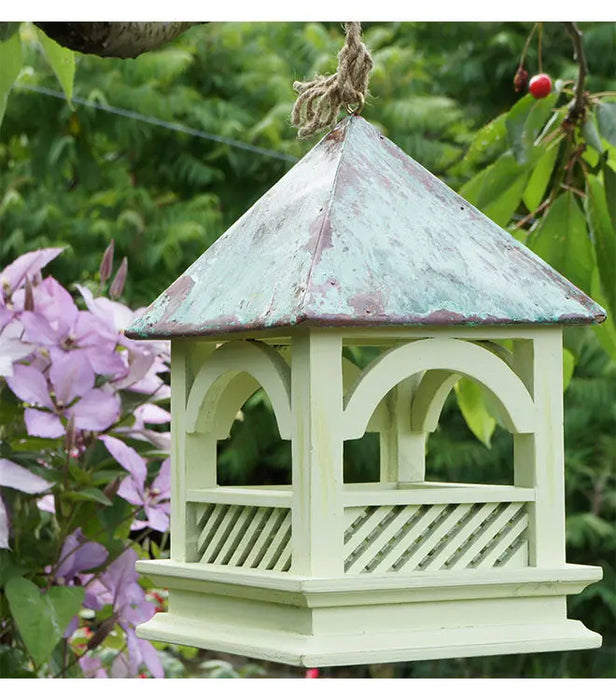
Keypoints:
pixel 358 245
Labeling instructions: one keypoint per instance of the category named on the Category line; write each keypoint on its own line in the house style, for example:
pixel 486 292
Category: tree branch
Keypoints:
pixel 119 39
pixel 577 109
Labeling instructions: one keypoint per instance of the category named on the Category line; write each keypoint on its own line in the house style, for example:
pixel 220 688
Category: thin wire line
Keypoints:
pixel 159 122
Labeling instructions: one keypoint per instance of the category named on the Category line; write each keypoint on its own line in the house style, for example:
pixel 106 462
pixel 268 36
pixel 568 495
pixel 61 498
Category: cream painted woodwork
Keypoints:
pixel 319 572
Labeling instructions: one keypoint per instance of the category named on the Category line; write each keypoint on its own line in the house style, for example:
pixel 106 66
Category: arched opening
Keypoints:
pixel 254 454
pixel 239 410
pixel 423 436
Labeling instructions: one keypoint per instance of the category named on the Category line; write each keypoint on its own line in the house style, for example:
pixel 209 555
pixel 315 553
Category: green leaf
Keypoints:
pixel 8 568
pixel 591 135
pixel 88 494
pixel 540 179
pixel 7 29
pixel 42 618
pixel 10 65
pixel 568 367
pixel 497 190
pixel 525 122
pixel 472 404
pixel 606 120
pixel 562 240
pixel 606 331
pixel 13 663
pixel 604 238
pixel 62 62
pixel 489 142
pixel 609 180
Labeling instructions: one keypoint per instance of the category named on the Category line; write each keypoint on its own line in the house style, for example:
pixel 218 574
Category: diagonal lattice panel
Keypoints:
pixel 381 539
pixel 246 536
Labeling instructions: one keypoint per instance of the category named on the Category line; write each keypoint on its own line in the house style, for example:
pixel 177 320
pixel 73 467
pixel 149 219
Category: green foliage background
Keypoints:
pixel 78 177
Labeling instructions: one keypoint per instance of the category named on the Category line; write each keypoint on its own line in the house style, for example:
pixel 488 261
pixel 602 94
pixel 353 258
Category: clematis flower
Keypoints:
pixel 56 322
pixel 118 586
pixel 154 499
pixel 145 359
pixel 152 414
pixel 19 478
pixel 28 265
pixel 74 396
pixel 12 348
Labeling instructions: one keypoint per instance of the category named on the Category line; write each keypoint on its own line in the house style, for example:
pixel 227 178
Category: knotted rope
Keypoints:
pixel 320 100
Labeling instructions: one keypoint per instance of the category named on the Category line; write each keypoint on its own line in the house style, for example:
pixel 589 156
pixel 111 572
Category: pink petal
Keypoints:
pixel 30 385
pixel 4 526
pixel 28 264
pixel 157 518
pixel 38 329
pixel 162 483
pixel 11 347
pixel 151 413
pixel 97 410
pixel 43 423
pixel 71 375
pixel 17 477
pixel 139 366
pixel 131 491
pixel 127 457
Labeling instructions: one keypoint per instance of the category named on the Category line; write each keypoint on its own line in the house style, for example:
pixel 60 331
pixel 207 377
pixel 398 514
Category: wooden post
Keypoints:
pixel 403 456
pixel 317 520
pixel 539 456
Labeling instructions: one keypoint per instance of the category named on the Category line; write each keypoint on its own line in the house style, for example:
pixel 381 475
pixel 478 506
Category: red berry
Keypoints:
pixel 540 85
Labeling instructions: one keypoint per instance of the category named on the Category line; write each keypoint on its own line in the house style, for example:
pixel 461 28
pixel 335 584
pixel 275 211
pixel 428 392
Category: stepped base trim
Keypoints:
pixel 343 649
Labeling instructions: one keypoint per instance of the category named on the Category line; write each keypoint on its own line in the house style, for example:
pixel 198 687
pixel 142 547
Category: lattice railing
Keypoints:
pixel 252 537
pixel 403 538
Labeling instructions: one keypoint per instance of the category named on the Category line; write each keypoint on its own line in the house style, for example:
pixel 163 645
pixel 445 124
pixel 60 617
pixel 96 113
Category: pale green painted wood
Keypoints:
pixel 229 360
pixel 335 560
pixel 438 353
pixel 317 454
pixel 539 457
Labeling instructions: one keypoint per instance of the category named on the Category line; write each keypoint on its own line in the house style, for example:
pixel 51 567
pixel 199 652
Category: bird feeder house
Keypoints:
pixel 358 245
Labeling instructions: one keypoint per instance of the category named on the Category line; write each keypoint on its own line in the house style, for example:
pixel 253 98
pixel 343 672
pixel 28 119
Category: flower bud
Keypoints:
pixel 117 286
pixel 520 79
pixel 106 263
pixel 29 297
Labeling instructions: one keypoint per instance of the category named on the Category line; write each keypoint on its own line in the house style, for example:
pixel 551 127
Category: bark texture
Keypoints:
pixel 118 39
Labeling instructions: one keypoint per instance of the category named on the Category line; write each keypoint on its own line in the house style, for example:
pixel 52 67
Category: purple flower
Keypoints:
pixel 56 322
pixel 78 554
pixel 92 667
pixel 118 586
pixel 155 415
pixel 12 348
pixel 74 396
pixel 154 499
pixel 28 265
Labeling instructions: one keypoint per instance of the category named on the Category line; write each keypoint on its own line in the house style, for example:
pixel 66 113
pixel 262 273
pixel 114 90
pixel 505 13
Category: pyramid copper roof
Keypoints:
pixel 359 234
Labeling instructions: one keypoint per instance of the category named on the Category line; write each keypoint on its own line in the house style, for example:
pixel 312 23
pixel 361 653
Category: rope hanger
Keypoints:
pixel 321 99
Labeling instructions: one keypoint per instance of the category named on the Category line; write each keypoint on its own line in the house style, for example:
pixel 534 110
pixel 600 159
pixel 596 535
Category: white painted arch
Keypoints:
pixel 229 376
pixel 450 358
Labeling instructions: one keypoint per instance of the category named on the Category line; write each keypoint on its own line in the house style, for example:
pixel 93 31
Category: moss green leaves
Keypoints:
pixel 42 617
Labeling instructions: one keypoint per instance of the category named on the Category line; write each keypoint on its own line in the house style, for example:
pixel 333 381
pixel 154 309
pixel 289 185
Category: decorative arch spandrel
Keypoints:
pixel 447 357
pixel 219 378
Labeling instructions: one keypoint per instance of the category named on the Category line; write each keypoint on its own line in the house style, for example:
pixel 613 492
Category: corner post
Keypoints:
pixel 317 448
pixel 539 456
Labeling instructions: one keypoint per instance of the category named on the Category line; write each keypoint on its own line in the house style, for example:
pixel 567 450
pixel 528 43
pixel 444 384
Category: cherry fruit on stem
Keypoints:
pixel 540 85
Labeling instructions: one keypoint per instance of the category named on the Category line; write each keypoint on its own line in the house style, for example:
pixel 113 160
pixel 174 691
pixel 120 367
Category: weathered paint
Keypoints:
pixel 360 234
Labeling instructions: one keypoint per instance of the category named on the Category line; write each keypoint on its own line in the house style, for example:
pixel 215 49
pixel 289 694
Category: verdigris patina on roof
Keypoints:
pixel 359 234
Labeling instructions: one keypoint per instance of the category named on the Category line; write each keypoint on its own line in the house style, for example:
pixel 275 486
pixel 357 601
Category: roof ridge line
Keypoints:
pixel 328 206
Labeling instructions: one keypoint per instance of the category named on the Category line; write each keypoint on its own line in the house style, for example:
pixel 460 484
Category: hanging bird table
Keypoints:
pixel 359 245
